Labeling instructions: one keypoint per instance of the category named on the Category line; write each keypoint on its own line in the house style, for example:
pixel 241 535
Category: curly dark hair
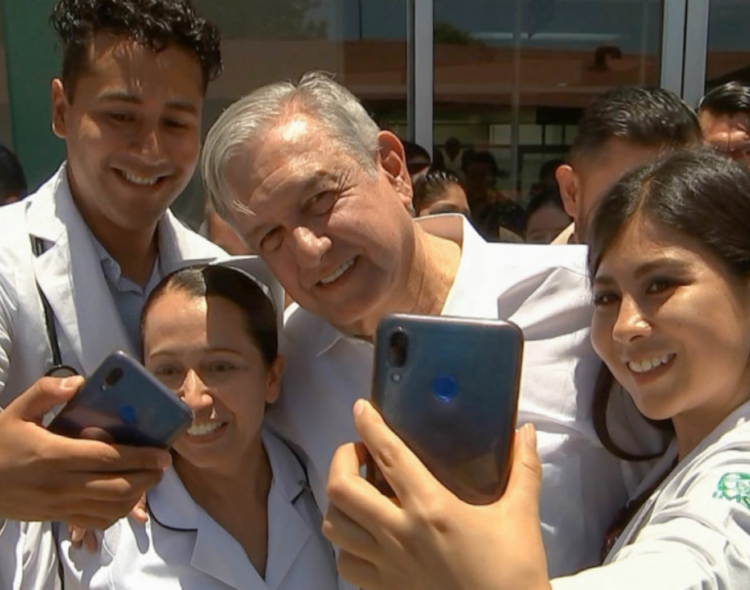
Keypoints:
pixel 156 24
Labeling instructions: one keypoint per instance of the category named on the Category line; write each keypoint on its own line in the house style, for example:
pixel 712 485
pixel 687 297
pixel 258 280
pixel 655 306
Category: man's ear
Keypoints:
pixel 59 109
pixel 393 163
pixel 570 189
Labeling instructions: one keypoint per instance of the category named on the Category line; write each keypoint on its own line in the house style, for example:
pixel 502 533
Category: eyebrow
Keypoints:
pixel 209 349
pixel 304 186
pixel 180 105
pixel 644 269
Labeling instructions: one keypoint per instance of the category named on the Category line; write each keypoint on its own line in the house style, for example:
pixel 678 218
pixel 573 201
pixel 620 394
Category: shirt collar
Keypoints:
pixel 171 505
pixel 168 255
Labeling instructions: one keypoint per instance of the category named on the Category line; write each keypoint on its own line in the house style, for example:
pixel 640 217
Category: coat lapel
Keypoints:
pixel 74 284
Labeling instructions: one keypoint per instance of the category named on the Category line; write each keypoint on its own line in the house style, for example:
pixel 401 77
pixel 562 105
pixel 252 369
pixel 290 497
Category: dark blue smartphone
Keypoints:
pixel 131 407
pixel 449 388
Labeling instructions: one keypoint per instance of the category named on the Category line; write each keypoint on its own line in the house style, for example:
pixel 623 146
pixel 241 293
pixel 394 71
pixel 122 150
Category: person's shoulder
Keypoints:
pixel 13 222
pixel 190 243
pixel 560 268
pixel 572 256
pixel 303 331
pixel 721 471
pixel 298 321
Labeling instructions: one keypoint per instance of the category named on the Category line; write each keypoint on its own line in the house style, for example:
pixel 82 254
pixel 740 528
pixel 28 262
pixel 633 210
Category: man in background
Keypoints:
pixel 724 115
pixel 12 179
pixel 620 130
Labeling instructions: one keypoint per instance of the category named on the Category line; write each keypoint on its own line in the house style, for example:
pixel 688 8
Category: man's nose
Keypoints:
pixel 147 142
pixel 309 246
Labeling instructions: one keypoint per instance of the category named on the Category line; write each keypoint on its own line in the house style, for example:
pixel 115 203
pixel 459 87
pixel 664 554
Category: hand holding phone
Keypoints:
pixel 126 404
pixel 449 388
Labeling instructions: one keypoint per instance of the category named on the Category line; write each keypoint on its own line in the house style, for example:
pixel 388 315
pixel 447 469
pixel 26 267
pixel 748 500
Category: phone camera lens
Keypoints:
pixel 113 377
pixel 398 348
pixel 444 387
pixel 128 414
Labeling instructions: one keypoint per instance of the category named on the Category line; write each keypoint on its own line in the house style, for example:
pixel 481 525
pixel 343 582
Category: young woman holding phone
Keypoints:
pixel 670 269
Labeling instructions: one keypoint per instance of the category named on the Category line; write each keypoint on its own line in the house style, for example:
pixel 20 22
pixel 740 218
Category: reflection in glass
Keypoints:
pixel 511 76
pixel 728 56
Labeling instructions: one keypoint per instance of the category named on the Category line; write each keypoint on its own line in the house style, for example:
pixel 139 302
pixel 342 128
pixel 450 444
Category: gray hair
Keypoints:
pixel 246 121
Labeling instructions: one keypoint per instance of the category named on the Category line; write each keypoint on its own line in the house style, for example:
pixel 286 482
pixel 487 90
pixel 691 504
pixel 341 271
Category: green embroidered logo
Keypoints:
pixel 734 487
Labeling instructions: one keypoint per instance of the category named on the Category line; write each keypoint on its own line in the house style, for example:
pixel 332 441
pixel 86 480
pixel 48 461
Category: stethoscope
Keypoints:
pixel 59 369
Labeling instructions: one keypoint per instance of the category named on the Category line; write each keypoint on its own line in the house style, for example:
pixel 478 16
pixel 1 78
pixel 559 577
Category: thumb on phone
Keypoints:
pixel 42 396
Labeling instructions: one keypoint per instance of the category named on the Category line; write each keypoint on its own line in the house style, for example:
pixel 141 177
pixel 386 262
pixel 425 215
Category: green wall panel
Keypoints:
pixel 32 61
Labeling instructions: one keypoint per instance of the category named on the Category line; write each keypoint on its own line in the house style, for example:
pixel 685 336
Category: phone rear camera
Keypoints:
pixel 128 414
pixel 113 377
pixel 444 387
pixel 397 351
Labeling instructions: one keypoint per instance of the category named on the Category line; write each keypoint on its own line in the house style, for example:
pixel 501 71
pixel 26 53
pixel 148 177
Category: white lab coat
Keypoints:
pixel 88 326
pixel 693 533
pixel 182 547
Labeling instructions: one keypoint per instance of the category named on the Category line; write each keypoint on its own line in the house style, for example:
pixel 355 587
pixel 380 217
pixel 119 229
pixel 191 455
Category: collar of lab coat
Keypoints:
pixel 68 272
pixel 70 260
pixel 215 552
pixel 453 227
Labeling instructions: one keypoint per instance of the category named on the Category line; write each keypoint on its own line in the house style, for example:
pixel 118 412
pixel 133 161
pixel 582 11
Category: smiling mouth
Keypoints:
pixel 204 429
pixel 139 180
pixel 336 274
pixel 648 365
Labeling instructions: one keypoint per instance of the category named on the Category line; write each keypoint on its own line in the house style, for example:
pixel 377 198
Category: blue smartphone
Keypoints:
pixel 449 388
pixel 122 399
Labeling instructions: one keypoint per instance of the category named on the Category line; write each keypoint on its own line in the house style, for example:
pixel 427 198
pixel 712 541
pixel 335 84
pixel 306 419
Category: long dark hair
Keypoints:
pixel 698 193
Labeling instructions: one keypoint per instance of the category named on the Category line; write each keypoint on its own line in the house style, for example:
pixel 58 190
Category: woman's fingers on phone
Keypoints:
pixel 359 572
pixel 406 474
pixel 354 496
pixel 525 482
pixel 347 534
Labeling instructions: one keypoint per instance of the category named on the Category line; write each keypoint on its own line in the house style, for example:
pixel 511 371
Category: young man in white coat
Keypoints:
pixel 314 186
pixel 80 256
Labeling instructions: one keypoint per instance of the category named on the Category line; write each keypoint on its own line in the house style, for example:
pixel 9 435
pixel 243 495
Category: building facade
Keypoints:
pixel 506 76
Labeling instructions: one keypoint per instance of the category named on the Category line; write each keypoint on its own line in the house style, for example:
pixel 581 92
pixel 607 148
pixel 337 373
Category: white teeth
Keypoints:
pixel 649 364
pixel 338 272
pixel 203 429
pixel 139 180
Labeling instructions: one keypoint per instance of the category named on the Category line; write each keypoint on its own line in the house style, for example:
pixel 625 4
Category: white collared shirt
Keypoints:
pixel 693 533
pixel 544 290
pixel 182 547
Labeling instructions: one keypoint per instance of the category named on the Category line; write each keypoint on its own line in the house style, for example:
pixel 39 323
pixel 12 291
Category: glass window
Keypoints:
pixel 728 47
pixel 362 42
pixel 511 76
pixel 6 137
